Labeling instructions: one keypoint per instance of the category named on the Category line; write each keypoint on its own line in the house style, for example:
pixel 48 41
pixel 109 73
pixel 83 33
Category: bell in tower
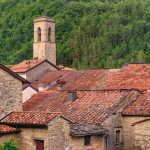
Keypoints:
pixel 44 46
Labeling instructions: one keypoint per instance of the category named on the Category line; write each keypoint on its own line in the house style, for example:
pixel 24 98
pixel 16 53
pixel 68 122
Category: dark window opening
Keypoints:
pixel 117 136
pixel 39 144
pixel 87 140
pixel 39 34
pixel 49 34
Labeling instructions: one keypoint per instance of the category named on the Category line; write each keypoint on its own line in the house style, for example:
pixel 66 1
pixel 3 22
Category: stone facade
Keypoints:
pixel 15 137
pixel 130 136
pixel 10 93
pixel 44 46
pixel 56 137
pixel 29 135
pixel 112 124
pixel 36 71
pixel 142 135
pixel 58 134
pixel 128 131
pixel 77 143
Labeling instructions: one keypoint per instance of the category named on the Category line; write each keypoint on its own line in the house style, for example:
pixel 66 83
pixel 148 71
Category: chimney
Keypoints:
pixel 72 96
pixel 35 59
pixel 60 83
pixel 28 63
pixel 41 87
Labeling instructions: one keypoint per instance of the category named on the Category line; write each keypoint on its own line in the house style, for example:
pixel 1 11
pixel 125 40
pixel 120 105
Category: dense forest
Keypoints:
pixel 89 33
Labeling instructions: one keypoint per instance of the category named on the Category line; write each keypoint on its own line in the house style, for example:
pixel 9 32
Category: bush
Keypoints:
pixel 9 145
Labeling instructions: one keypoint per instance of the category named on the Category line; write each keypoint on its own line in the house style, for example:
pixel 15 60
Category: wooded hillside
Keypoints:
pixel 89 33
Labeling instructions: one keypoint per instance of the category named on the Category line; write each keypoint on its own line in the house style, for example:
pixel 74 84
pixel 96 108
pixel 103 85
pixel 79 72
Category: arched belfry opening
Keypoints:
pixel 39 34
pixel 49 34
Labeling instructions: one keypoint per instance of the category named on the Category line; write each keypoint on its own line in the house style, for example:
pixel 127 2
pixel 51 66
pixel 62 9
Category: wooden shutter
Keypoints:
pixel 39 144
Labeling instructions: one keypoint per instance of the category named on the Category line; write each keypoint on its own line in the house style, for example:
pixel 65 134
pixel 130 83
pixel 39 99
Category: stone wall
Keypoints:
pixel 10 137
pixel 142 135
pixel 59 137
pixel 112 124
pixel 36 71
pixel 77 143
pixel 10 93
pixel 58 134
pixel 128 131
pixel 29 135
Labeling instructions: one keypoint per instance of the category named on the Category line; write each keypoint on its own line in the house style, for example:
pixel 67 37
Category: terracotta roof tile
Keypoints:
pixel 93 80
pixel 141 106
pixel 135 76
pixel 25 65
pixel 4 129
pixel 29 64
pixel 77 80
pixel 50 79
pixel 29 118
pixel 90 107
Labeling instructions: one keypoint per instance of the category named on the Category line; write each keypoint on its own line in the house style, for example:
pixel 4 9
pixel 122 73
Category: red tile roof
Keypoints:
pixel 132 76
pixel 26 65
pixel 50 79
pixel 6 129
pixel 93 80
pixel 29 118
pixel 140 106
pixel 77 80
pixel 90 107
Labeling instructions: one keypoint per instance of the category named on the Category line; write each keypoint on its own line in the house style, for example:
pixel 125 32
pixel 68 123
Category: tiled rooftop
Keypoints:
pixel 89 107
pixel 6 129
pixel 25 65
pixel 135 76
pixel 77 80
pixel 29 118
pixel 29 64
pixel 141 106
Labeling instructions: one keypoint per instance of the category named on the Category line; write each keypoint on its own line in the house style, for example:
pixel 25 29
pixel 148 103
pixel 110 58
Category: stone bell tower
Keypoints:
pixel 44 46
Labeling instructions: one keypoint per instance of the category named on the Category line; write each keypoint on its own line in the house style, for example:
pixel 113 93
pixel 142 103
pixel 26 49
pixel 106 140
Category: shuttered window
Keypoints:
pixel 39 144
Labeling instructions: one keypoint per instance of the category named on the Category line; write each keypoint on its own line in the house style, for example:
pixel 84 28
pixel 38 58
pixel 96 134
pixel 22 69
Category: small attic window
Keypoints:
pixel 72 96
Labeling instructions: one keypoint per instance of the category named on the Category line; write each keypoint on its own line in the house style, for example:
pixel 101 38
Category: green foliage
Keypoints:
pixel 9 145
pixel 89 33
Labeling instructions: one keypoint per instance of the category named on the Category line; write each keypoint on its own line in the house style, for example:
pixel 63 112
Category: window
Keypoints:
pixel 39 144
pixel 39 34
pixel 117 136
pixel 87 140
pixel 49 34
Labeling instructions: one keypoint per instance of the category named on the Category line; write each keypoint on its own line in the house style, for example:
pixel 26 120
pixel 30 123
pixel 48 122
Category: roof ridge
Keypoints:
pixel 41 112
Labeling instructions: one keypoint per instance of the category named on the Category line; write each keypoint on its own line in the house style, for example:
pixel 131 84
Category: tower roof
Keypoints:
pixel 43 18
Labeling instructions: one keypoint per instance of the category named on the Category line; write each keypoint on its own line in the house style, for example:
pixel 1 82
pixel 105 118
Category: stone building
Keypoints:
pixel 101 109
pixel 52 131
pixel 10 91
pixel 141 131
